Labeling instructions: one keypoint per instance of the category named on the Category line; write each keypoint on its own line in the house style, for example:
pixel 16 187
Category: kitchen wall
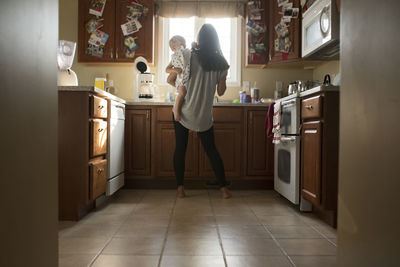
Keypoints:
pixel 331 67
pixel 369 218
pixel 28 167
pixel 122 73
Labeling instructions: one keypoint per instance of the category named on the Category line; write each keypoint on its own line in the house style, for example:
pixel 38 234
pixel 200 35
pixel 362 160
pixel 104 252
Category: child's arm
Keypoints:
pixel 172 69
pixel 178 102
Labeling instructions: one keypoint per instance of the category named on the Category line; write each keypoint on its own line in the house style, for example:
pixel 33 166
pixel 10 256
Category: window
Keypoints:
pixel 229 33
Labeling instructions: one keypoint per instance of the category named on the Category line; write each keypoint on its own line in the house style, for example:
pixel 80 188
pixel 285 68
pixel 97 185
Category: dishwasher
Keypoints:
pixel 116 177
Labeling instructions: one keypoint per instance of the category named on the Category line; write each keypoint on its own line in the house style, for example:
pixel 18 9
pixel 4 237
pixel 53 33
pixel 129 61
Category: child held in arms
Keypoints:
pixel 179 70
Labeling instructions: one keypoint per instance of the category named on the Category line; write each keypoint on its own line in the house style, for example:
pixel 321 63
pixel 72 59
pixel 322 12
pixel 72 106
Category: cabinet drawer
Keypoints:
pixel 164 114
pixel 98 107
pixel 98 178
pixel 227 114
pixel 98 137
pixel 311 107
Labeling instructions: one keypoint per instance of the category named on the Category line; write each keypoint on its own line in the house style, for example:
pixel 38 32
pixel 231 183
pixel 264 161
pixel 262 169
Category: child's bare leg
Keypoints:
pixel 172 78
pixel 179 102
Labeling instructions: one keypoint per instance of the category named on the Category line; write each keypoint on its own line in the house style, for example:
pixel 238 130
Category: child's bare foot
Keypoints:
pixel 181 192
pixel 225 193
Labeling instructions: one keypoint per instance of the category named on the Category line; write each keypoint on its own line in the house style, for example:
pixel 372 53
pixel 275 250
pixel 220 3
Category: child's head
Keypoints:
pixel 177 41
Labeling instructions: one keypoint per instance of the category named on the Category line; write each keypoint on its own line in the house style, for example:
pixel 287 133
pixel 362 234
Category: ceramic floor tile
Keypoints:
pixel 126 261
pixel 135 246
pixel 314 261
pixel 132 230
pixel 307 246
pixel 280 220
pixel 192 247
pixel 98 218
pixel 75 260
pixel 326 230
pixel 243 231
pixel 250 246
pixel 273 210
pixel 192 211
pixel 192 261
pixel 151 209
pixel 193 220
pixel 80 245
pixel 116 208
pixel 237 220
pixel 333 240
pixel 293 232
pixel 89 230
pixel 258 261
pixel 144 219
pixel 242 210
pixel 192 231
pixel 310 219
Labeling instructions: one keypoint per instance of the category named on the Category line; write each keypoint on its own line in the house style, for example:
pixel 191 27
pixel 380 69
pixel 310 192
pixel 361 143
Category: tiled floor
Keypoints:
pixel 152 228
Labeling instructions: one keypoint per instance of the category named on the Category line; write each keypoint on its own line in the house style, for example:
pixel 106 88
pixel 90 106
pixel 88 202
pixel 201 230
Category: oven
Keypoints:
pixel 287 153
pixel 287 168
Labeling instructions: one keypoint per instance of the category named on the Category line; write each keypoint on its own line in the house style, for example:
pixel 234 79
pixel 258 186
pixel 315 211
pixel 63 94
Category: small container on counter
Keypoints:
pixel 242 96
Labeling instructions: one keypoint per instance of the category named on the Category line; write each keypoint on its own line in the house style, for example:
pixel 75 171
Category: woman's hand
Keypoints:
pixel 177 70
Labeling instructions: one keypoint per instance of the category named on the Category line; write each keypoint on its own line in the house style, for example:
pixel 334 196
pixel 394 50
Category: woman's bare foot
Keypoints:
pixel 225 193
pixel 181 192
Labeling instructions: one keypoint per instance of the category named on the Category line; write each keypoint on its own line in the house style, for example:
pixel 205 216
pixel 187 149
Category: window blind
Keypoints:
pixel 202 9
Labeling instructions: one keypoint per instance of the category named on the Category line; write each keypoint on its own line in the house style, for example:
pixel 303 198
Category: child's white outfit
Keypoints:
pixel 181 59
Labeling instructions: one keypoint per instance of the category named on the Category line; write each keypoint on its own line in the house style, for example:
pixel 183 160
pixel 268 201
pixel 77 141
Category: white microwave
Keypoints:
pixel 320 31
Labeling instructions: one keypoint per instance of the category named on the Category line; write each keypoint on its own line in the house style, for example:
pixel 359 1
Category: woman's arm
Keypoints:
pixel 221 86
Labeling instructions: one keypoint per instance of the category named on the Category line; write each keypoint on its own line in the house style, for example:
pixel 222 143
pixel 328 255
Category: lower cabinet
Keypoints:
pixel 82 151
pixel 311 157
pixel 260 149
pixel 242 143
pixel 138 142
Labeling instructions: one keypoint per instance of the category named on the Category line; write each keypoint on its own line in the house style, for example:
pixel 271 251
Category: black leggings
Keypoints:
pixel 207 140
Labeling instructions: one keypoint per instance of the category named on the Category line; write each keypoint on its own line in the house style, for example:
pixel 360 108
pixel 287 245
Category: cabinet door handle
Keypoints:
pixel 309 107
pixel 111 54
pixel 100 107
pixel 100 130
pixel 116 53
pixel 99 171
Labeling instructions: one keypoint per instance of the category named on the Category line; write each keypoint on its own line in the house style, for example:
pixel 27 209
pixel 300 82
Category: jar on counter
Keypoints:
pixel 242 96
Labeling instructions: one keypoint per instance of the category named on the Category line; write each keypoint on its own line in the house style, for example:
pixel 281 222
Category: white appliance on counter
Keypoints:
pixel 287 153
pixel 116 176
pixel 65 57
pixel 320 31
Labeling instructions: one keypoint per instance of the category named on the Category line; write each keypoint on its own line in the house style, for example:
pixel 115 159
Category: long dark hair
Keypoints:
pixel 209 50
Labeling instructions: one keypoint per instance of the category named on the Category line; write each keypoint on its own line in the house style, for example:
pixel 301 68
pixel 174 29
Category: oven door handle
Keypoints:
pixel 288 139
pixel 288 102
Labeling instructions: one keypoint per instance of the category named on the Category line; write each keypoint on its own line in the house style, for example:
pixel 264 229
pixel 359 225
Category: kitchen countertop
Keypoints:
pixel 216 104
pixel 91 89
pixel 321 88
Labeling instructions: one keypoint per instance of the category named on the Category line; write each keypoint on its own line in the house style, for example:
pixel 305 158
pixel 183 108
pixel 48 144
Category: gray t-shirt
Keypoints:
pixel 196 112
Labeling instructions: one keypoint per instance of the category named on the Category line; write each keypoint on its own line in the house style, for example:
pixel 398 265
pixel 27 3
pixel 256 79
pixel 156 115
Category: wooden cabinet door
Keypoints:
pixel 98 178
pixel 98 107
pixel 275 15
pixel 98 137
pixel 228 139
pixel 260 150
pixel 108 27
pixel 138 142
pixel 165 147
pixel 144 35
pixel 311 161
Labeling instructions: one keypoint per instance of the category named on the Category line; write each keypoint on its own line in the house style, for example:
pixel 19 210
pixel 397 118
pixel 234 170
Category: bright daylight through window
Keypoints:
pixel 228 30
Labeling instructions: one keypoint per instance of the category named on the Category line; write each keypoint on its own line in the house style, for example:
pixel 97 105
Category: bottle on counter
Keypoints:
pixel 254 93
pixel 242 96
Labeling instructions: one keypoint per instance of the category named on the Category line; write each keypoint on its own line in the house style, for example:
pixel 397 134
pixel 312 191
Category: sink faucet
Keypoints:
pixel 215 99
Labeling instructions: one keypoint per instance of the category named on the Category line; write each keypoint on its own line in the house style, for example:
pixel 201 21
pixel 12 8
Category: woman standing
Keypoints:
pixel 208 73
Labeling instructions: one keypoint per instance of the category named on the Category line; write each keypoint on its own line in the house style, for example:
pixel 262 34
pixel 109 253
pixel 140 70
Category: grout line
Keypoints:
pixel 116 231
pixel 218 232
pixel 320 232
pixel 166 233
pixel 272 236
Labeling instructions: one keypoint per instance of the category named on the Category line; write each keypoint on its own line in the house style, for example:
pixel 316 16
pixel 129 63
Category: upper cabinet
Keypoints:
pixel 284 43
pixel 118 32
pixel 273 32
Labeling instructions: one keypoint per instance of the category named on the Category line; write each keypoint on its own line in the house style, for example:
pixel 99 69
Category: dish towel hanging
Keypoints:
pixel 269 119
pixel 276 127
